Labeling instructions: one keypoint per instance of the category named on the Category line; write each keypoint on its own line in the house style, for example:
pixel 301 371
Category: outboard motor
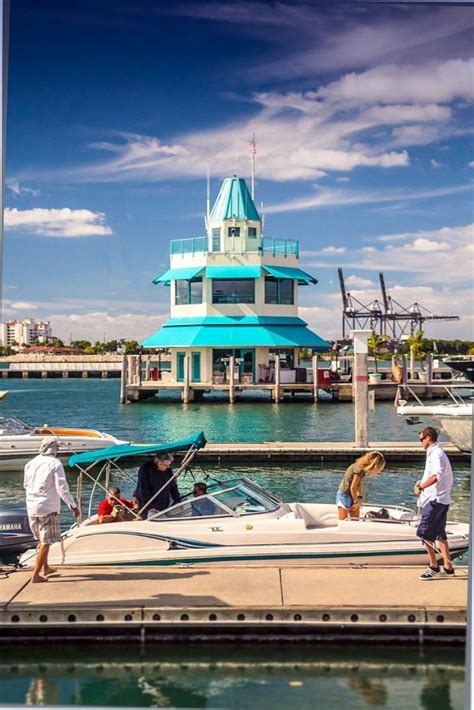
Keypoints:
pixel 15 532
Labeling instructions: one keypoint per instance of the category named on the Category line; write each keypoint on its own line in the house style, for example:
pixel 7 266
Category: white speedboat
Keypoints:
pixel 454 419
pixel 19 441
pixel 240 522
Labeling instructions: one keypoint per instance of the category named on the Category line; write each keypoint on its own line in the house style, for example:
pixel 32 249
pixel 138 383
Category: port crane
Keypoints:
pixel 386 317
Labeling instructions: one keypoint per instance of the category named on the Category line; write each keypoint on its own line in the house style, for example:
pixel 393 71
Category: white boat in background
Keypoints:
pixel 238 522
pixel 19 441
pixel 454 418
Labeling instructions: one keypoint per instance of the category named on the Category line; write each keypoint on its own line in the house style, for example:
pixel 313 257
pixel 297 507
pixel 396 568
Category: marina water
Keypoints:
pixel 262 677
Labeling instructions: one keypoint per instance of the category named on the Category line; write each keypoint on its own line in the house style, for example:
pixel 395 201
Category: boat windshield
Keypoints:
pixel 12 425
pixel 223 500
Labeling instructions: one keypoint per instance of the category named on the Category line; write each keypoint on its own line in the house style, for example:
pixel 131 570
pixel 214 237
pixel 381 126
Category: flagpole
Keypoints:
pixel 253 151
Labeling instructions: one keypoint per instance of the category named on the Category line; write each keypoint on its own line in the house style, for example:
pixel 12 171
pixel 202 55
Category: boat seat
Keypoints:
pixel 316 515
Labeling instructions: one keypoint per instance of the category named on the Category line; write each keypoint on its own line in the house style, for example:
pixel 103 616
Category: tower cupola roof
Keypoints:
pixel 234 201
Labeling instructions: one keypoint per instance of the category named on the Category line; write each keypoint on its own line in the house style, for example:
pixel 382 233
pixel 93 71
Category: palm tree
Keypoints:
pixel 415 343
pixel 374 343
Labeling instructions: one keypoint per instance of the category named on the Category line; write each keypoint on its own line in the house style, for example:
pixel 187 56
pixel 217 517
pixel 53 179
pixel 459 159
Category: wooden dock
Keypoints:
pixel 357 603
pixel 318 452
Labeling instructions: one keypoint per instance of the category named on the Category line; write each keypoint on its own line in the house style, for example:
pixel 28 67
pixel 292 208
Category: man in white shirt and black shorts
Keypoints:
pixel 434 497
pixel 45 485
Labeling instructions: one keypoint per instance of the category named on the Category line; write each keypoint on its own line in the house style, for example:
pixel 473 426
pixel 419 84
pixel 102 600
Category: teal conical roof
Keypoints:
pixel 234 201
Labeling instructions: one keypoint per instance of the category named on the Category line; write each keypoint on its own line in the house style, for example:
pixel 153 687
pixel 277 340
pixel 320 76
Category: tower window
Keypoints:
pixel 188 292
pixel 279 291
pixel 233 231
pixel 233 290
pixel 252 231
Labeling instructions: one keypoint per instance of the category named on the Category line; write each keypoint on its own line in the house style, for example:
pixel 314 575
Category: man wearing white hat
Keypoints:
pixel 45 484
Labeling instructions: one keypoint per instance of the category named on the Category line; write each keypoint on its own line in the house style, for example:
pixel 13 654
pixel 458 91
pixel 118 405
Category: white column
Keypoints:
pixel 360 387
pixel 277 394
pixel 315 377
pixel 231 381
pixel 186 379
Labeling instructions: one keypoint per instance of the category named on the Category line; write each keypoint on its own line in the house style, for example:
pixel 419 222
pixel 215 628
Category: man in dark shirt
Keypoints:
pixel 152 476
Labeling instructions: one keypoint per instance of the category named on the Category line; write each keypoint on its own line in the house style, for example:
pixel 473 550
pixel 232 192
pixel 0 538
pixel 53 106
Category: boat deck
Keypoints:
pixel 177 603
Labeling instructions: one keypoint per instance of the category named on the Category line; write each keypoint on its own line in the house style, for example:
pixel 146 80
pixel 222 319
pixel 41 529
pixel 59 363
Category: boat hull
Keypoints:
pixel 16 450
pixel 457 429
pixel 246 541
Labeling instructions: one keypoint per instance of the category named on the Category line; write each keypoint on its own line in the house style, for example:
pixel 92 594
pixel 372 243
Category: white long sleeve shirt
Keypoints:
pixel 45 485
pixel 437 464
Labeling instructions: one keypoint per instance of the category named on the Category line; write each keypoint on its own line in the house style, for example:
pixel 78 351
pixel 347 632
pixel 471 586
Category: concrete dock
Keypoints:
pixel 357 603
pixel 319 452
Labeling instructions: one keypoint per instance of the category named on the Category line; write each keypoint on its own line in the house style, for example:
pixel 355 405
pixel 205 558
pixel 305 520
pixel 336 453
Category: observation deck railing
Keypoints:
pixel 200 245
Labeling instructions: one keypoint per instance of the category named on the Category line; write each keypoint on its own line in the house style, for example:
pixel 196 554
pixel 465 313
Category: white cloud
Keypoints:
pixel 342 36
pixel 365 119
pixel 324 198
pixel 428 245
pixel 343 179
pixel 432 83
pixel 23 306
pixel 18 190
pixel 434 256
pixel 62 222
pixel 94 324
pixel 435 164
pixel 358 281
pixel 333 250
pixel 471 164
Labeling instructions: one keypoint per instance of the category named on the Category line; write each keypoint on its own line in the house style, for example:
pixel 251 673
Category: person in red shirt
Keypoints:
pixel 109 509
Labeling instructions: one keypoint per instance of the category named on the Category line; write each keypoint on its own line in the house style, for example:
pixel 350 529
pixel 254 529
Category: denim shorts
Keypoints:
pixel 344 500
pixel 433 521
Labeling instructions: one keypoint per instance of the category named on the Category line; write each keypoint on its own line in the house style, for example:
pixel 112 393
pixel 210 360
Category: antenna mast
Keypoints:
pixel 208 198
pixel 253 151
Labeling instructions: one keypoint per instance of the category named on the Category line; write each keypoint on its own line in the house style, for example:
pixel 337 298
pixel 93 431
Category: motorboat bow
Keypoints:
pixel 237 522
pixel 20 441
pixel 453 418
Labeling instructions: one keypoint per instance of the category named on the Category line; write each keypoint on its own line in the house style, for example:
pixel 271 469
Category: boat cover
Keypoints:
pixel 121 451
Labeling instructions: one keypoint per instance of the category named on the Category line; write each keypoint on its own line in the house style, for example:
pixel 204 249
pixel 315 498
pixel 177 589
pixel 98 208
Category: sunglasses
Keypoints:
pixel 422 438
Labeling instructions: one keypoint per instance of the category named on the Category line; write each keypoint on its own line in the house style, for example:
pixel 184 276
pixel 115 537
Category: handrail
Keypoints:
pixel 267 245
pixel 449 389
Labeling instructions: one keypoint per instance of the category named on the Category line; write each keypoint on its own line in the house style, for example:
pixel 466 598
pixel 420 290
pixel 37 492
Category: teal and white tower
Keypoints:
pixel 234 292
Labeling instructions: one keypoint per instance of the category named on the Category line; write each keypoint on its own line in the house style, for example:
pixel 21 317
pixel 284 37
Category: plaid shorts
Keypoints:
pixel 45 528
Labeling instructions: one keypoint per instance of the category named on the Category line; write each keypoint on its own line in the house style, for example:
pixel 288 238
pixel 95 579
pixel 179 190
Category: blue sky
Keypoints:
pixel 363 120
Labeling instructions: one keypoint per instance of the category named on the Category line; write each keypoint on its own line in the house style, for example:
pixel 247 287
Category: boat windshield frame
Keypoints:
pixel 14 425
pixel 268 501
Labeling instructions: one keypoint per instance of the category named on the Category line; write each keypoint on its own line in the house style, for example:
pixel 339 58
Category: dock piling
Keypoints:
pixel 315 378
pixel 277 391
pixel 231 379
pixel 361 388
pixel 123 380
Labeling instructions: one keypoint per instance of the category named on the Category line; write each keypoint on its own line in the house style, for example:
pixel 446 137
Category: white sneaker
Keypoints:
pixel 430 573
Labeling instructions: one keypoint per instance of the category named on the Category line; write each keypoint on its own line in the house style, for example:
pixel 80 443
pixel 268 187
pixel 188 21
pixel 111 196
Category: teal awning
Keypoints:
pixel 284 272
pixel 121 451
pixel 232 272
pixel 236 335
pixel 178 274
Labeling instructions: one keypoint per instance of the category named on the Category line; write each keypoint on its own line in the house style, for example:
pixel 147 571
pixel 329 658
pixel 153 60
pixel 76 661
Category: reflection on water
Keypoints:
pixel 95 404
pixel 247 677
